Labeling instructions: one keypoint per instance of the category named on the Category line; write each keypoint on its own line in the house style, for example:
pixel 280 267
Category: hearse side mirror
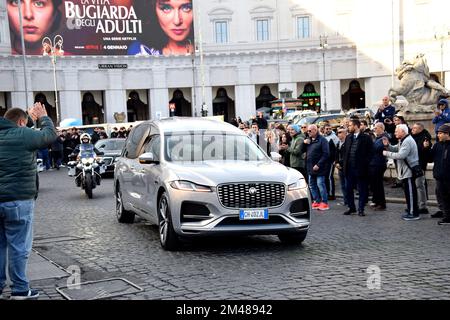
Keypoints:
pixel 275 156
pixel 147 158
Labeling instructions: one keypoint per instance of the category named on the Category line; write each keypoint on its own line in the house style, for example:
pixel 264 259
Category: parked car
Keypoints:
pixel 333 119
pixel 361 113
pixel 297 115
pixel 111 148
pixel 196 177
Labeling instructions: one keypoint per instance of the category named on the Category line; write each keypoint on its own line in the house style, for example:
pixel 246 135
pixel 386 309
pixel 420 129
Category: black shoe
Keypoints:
pixel 438 214
pixel 25 295
pixel 361 214
pixel 410 217
pixel 424 211
pixel 380 208
pixel 444 221
pixel 78 182
pixel 349 212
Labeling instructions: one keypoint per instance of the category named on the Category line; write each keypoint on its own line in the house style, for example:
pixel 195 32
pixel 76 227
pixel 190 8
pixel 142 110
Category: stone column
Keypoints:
pixel 159 99
pixel 334 99
pixel 245 93
pixel 286 79
pixel 70 97
pixel 159 95
pixel 115 96
pixel 208 100
pixel 18 96
pixel 245 101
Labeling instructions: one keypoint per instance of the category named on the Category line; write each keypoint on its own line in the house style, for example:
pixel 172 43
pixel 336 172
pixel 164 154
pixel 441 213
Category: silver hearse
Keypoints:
pixel 198 177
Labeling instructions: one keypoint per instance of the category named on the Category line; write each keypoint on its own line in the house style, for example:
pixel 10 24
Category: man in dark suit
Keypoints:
pixel 358 149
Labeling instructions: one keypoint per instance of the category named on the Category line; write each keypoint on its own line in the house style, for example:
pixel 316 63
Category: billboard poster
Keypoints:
pixel 103 27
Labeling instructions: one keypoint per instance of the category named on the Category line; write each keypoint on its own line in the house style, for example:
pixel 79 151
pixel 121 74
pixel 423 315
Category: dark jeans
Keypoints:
pixel 443 196
pixel 343 186
pixel 67 152
pixel 376 174
pixel 330 183
pixel 56 158
pixel 352 180
pixel 409 187
pixel 16 238
pixel 44 155
pixel 318 189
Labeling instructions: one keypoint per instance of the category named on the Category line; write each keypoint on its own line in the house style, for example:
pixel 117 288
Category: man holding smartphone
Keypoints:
pixel 442 115
pixel 385 115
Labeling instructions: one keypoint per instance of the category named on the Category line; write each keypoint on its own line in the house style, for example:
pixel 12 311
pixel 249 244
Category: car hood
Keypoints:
pixel 212 173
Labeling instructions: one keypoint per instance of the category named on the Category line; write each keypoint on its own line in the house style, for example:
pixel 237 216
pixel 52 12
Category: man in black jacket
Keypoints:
pixel 420 135
pixel 57 148
pixel 317 159
pixel 377 167
pixel 385 115
pixel 339 160
pixel 440 155
pixel 358 149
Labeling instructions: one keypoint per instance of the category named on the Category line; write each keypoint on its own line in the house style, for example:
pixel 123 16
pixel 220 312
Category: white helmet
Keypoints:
pixel 85 136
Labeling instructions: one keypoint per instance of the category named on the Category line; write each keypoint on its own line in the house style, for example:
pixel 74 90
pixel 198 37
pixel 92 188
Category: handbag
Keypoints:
pixel 417 171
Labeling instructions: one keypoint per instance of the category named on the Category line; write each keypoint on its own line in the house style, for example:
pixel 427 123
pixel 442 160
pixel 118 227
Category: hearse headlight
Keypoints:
pixel 189 186
pixel 300 184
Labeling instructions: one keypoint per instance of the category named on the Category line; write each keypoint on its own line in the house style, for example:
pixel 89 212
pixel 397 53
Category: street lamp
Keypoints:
pixel 23 51
pixel 323 46
pixel 441 36
pixel 193 50
pixel 204 108
pixel 54 49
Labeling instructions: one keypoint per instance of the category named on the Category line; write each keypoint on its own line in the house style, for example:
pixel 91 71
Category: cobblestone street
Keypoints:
pixel 332 263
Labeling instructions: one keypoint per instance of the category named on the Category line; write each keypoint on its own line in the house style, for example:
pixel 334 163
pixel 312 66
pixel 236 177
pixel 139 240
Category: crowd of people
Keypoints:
pixel 360 155
pixel 57 154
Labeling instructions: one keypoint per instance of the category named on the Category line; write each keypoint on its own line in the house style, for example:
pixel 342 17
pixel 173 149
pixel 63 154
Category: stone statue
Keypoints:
pixel 416 85
pixel 119 117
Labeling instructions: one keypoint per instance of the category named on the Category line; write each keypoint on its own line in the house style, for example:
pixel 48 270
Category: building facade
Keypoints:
pixel 341 52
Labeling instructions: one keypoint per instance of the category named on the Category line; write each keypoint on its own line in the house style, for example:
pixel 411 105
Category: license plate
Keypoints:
pixel 254 214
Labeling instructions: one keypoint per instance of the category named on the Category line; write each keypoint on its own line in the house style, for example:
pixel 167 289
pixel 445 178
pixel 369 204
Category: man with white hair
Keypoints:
pixel 407 157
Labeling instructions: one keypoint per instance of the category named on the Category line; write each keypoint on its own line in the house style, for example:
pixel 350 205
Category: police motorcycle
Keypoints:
pixel 86 169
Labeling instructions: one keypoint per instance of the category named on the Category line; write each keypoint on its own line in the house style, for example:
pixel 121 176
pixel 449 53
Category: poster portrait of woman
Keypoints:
pixel 169 29
pixel 40 18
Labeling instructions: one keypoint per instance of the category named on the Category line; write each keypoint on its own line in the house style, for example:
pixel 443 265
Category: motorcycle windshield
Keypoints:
pixel 87 151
